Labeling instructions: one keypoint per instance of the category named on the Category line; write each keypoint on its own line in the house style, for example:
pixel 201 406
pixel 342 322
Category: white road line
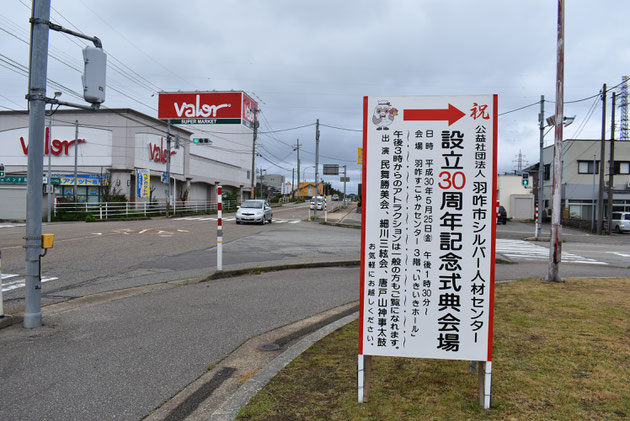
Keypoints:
pixel 524 250
pixel 12 225
pixel 618 254
pixel 143 231
pixel 195 218
pixel 183 231
pixel 8 275
pixel 20 283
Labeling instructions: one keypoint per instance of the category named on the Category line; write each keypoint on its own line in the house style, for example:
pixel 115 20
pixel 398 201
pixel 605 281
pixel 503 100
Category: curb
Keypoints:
pixel 276 268
pixel 229 410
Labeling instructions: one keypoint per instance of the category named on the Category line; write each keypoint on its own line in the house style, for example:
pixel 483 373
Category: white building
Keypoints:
pixel 580 177
pixel 113 145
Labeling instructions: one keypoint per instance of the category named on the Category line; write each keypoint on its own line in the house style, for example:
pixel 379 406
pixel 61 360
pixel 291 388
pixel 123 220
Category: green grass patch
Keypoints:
pixel 561 352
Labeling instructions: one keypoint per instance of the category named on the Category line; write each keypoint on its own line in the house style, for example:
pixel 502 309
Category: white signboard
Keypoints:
pixel 152 153
pixel 94 146
pixel 429 220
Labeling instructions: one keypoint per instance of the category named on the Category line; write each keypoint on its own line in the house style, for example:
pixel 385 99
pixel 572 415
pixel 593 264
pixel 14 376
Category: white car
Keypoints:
pixel 335 197
pixel 257 211
pixel 317 203
pixel 620 222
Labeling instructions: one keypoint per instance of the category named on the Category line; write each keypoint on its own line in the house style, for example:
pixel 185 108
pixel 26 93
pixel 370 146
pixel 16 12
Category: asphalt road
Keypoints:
pixel 121 359
pixel 89 258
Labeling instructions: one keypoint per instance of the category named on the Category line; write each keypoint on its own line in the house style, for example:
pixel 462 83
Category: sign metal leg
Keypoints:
pixel 485 383
pixel 364 369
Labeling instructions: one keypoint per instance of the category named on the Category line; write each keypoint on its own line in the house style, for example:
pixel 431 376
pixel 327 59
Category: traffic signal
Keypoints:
pixel 202 141
pixel 1 170
pixel 525 180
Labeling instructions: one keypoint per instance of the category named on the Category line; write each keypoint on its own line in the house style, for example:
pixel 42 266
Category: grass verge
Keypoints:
pixel 561 351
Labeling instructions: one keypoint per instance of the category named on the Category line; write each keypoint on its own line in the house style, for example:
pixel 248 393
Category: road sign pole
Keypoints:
pixel 219 228
pixel 49 186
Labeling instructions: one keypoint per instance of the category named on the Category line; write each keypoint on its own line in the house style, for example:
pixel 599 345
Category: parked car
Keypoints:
pixel 317 203
pixel 620 222
pixel 501 215
pixel 257 211
pixel 335 197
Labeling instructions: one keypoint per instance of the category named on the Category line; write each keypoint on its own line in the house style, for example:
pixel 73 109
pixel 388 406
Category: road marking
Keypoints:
pixel 195 218
pixel 183 231
pixel 523 250
pixel 618 254
pixel 97 233
pixel 12 225
pixel 143 231
pixel 20 283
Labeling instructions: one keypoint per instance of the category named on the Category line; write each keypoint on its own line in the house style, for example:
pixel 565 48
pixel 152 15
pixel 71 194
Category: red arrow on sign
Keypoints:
pixel 451 114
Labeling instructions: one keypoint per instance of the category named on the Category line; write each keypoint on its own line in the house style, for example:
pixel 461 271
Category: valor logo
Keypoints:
pixel 198 110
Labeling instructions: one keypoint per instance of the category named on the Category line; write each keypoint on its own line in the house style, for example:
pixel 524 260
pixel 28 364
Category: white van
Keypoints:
pixel 620 222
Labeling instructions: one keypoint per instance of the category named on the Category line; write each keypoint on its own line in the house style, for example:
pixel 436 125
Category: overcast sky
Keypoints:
pixel 304 60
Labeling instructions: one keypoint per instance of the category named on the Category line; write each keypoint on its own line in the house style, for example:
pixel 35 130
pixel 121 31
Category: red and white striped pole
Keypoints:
pixel 325 209
pixel 219 227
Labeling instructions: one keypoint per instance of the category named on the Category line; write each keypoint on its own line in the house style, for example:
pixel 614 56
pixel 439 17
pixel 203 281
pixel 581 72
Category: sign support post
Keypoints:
pixel 364 372
pixel 219 228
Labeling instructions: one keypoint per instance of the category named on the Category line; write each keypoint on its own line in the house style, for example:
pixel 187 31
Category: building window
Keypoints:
pixel 547 172
pixel 587 167
pixel 622 167
pixel 248 175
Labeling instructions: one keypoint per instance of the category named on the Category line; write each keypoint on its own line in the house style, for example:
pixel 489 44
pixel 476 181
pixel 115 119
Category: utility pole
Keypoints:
pixel 168 167
pixel 541 121
pixel 36 122
pixel 611 162
pixel 602 167
pixel 555 243
pixel 345 177
pixel 298 166
pixel 293 183
pixel 253 192
pixel 76 158
pixel 316 166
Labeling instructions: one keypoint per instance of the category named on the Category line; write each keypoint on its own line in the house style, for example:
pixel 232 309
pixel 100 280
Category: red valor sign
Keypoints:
pixel 205 107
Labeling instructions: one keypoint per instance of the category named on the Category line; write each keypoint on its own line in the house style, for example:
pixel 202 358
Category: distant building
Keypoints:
pixel 580 177
pixel 307 190
pixel 517 200
pixel 273 182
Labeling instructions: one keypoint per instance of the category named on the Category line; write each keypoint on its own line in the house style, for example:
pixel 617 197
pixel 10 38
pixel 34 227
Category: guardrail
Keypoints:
pixel 106 210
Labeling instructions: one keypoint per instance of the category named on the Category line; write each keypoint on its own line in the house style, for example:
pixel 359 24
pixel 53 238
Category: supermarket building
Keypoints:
pixel 115 146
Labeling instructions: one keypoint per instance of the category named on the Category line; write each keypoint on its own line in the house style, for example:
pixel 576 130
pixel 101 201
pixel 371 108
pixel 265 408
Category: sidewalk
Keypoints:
pixel 348 217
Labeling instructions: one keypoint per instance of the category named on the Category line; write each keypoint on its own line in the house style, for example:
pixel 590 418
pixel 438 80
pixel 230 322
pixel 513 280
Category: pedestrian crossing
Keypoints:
pixel 520 250
pixel 18 283
pixel 208 218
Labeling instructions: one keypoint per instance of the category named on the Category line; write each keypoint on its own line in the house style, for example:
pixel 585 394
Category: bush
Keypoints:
pixel 90 218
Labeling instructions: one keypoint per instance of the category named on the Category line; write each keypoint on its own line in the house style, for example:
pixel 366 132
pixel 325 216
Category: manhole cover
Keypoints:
pixel 268 347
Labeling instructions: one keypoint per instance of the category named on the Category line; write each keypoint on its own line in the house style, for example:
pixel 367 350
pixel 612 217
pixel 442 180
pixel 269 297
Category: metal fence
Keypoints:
pixel 107 210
